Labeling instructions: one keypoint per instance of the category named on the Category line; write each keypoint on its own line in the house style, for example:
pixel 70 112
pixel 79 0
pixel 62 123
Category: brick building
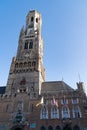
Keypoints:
pixel 28 102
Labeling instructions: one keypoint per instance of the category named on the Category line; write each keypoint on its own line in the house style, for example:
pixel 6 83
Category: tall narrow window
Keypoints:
pixel 36 20
pixel 31 45
pixel 54 112
pixel 32 19
pixel 26 45
pixel 64 101
pixel 76 112
pixel 29 64
pixel 65 112
pixel 75 101
pixel 44 113
pixel 33 63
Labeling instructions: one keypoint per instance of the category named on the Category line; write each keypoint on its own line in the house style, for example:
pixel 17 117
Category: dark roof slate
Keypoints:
pixel 55 87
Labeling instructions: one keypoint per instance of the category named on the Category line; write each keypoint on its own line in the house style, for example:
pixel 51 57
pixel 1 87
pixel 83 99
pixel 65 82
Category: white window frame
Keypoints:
pixel 76 112
pixel 66 112
pixel 75 101
pixel 54 113
pixel 44 113
pixel 64 101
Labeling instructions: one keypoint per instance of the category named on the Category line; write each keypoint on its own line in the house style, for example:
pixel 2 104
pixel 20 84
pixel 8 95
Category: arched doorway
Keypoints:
pixel 50 127
pixel 58 128
pixel 67 127
pixel 42 128
pixel 76 127
pixel 17 128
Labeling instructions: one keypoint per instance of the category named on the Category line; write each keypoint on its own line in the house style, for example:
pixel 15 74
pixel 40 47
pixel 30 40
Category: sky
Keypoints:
pixel 64 30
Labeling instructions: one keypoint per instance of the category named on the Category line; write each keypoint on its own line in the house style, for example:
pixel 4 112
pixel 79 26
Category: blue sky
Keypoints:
pixel 64 30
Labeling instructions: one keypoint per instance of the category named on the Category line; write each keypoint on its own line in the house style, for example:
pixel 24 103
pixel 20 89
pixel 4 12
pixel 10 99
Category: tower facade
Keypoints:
pixel 27 71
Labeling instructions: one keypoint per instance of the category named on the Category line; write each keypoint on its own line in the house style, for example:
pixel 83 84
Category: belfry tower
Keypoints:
pixel 27 71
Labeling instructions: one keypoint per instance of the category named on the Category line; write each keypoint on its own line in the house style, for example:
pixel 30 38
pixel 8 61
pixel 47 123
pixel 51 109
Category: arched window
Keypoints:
pixel 58 128
pixel 26 45
pixel 44 113
pixel 25 64
pixel 54 112
pixel 42 128
pixel 31 45
pixel 65 112
pixel 36 20
pixel 75 100
pixel 33 63
pixel 50 127
pixel 29 64
pixel 76 112
pixel 32 19
pixel 20 64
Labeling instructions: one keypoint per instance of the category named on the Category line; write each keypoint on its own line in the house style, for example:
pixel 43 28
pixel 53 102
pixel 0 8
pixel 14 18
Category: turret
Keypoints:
pixel 81 87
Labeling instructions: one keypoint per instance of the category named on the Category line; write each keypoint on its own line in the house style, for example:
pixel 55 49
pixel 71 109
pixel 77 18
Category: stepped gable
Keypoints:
pixel 2 90
pixel 55 86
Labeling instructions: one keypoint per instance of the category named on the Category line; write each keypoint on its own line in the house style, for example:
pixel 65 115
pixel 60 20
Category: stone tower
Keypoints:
pixel 27 71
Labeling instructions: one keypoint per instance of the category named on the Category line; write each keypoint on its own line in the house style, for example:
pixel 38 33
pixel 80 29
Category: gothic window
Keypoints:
pixel 58 128
pixel 76 112
pixel 36 20
pixel 44 113
pixel 26 45
pixel 33 63
pixel 29 64
pixel 54 112
pixel 42 128
pixel 25 64
pixel 64 101
pixel 65 112
pixel 32 19
pixel 50 127
pixel 31 45
pixel 20 64
pixel 74 100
